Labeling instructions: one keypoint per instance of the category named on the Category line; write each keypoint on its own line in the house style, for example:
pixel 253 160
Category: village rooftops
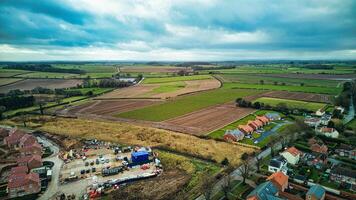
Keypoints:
pixel 294 151
pixel 27 140
pixel 317 191
pixel 279 179
pixel 246 129
pixel 263 119
pixel 14 137
pixel 20 180
pixel 19 170
pixel 344 172
pixel 264 191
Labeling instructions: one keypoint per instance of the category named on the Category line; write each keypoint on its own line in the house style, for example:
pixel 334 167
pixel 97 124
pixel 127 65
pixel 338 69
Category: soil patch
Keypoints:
pixel 209 119
pixel 166 186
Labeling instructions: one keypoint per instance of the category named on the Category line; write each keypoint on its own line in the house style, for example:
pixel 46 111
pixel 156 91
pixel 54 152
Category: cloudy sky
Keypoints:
pixel 177 30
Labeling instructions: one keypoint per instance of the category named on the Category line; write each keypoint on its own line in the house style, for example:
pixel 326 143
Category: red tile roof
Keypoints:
pixel 294 151
pixel 279 178
pixel 27 140
pixel 31 148
pixel 14 137
pixel 245 128
pixel 327 130
pixel 263 119
pixel 20 180
pixel 19 170
pixel 30 158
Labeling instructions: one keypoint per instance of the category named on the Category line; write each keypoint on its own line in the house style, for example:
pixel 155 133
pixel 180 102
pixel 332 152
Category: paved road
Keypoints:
pixel 272 131
pixel 351 114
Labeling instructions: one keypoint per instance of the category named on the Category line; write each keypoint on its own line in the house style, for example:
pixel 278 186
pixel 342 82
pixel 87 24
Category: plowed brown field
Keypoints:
pixel 209 119
pixel 293 96
pixel 109 107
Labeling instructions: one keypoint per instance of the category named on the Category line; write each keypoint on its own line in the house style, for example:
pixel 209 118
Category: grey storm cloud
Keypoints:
pixel 132 28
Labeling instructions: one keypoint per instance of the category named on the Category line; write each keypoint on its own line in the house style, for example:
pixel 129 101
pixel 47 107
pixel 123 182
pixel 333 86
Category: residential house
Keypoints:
pixel 328 132
pixel 263 119
pixel 292 155
pixel 315 192
pixel 246 129
pixel 346 151
pixel 233 135
pixel 31 161
pixel 320 112
pixel 13 140
pixel 264 191
pixel 343 175
pixel 34 149
pixel 312 121
pixel 19 170
pixel 27 140
pixel 325 119
pixel 278 164
pixel 317 146
pixel 317 160
pixel 256 124
pixel 279 180
pixel 273 116
pixel 23 184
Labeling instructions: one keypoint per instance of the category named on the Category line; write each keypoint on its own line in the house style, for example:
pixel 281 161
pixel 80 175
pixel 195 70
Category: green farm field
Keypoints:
pixel 5 81
pixel 255 79
pixel 7 73
pixel 291 103
pixel 175 79
pixel 186 104
pixel 290 88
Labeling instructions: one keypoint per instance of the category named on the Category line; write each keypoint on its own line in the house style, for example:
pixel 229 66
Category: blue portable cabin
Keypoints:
pixel 139 156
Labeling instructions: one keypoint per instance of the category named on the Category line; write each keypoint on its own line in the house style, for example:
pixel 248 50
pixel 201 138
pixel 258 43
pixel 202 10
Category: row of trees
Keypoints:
pixel 262 82
pixel 43 68
pixel 15 102
pixel 281 107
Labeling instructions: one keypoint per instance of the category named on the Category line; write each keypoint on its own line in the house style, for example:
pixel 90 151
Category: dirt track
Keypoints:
pixel 166 186
pixel 209 119
pixel 293 96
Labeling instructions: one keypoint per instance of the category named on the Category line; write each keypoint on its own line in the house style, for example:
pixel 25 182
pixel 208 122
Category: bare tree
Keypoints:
pixel 258 163
pixel 245 170
pixel 207 186
pixel 226 185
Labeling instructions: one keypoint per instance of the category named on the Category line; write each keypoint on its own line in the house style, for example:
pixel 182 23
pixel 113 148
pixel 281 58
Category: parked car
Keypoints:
pixel 93 169
pixel 119 158
pixel 92 163
pixel 107 160
pixel 86 163
pixel 82 171
pixel 97 161
pixel 87 171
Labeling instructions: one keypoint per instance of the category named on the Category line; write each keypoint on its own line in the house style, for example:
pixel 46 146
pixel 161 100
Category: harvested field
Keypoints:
pixel 209 119
pixel 165 186
pixel 300 96
pixel 156 91
pixel 135 135
pixel 29 84
pixel 314 76
pixel 107 107
pixel 153 69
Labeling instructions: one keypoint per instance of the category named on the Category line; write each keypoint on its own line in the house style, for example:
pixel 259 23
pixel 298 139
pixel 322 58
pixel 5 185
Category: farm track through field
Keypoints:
pixel 300 96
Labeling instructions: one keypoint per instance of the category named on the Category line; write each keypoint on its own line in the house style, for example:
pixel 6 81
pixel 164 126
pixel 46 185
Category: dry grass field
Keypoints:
pixel 162 90
pixel 29 84
pixel 135 135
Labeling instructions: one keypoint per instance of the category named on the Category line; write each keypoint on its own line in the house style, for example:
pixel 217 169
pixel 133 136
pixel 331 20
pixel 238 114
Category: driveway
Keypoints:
pixel 272 131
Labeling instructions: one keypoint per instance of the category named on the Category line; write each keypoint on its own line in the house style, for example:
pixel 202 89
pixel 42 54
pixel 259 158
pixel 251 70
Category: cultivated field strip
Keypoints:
pixel 300 96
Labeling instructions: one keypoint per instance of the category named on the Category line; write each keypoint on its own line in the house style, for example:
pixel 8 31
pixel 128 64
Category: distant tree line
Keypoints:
pixel 318 66
pixel 281 107
pixel 198 68
pixel 15 102
pixel 43 68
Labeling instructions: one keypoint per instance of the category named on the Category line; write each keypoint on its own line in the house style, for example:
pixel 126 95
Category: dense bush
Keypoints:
pixel 15 102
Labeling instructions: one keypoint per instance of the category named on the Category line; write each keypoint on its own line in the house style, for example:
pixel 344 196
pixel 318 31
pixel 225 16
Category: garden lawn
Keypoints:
pixel 291 103
pixel 175 78
pixel 186 104
pixel 290 88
